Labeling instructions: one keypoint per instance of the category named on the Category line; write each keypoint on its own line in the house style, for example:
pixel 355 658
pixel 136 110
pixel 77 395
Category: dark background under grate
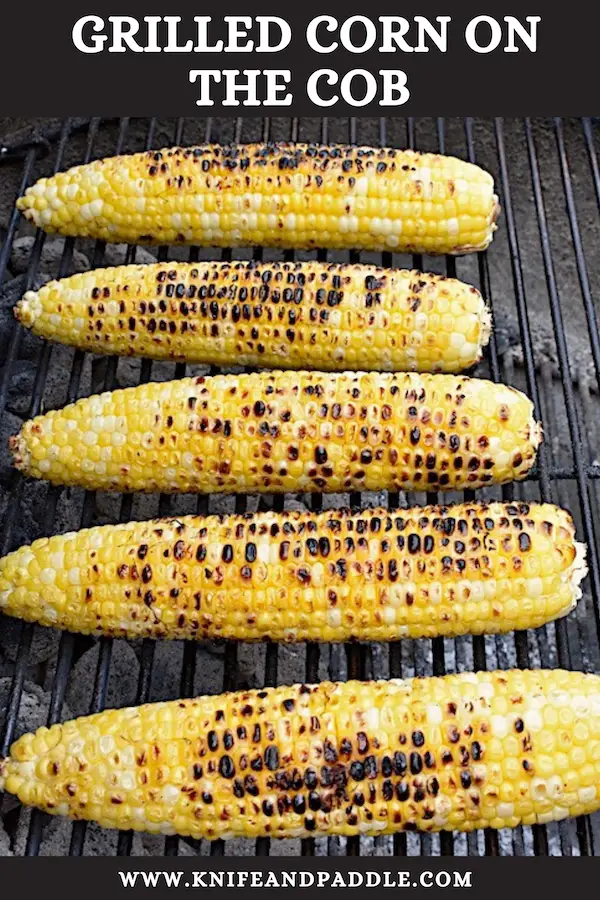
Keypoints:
pixel 538 281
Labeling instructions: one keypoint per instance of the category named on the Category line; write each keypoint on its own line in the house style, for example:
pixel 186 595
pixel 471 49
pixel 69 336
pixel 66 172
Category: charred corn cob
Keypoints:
pixel 490 749
pixel 273 195
pixel 287 315
pixel 372 575
pixel 284 431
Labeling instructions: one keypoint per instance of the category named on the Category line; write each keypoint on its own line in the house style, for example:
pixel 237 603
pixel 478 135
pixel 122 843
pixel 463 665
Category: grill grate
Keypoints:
pixel 548 177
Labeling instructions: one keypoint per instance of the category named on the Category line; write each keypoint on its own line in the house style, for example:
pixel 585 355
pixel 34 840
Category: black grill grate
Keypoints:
pixel 548 178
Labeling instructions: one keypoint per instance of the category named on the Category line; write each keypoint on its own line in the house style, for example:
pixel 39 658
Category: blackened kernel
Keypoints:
pixel 433 786
pixel 314 801
pixel 370 766
pixel 387 790
pixel 310 779
pixel 227 554
pixel 416 763
pixel 272 757
pixel 320 455
pixel 226 767
pixel 453 734
pixel 357 771
pixel 400 763
pixel 386 767
pixel 326 776
pixel 362 742
pixel 329 752
pixel 414 543
pixel 238 788
pixel 402 791
pixel 299 804
pixel 524 542
pixel 251 786
pixel 212 740
pixel 418 738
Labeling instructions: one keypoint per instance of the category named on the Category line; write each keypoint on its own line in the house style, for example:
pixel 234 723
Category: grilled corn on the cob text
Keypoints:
pixel 288 315
pixel 373 575
pixel 273 195
pixel 489 749
pixel 286 431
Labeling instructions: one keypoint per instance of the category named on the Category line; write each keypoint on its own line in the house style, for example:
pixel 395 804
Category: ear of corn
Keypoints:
pixel 273 195
pixel 288 315
pixel 371 575
pixel 461 752
pixel 281 431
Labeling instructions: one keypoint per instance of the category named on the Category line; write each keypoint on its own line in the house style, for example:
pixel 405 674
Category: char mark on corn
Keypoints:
pixel 284 431
pixel 274 195
pixel 372 575
pixel 489 749
pixel 284 315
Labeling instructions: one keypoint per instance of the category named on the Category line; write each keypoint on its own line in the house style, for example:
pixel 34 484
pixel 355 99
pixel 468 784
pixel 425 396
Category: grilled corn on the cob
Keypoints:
pixel 285 431
pixel 274 195
pixel 287 315
pixel 373 575
pixel 489 749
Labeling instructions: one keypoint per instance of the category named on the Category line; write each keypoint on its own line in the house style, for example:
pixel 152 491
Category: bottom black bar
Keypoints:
pixel 306 877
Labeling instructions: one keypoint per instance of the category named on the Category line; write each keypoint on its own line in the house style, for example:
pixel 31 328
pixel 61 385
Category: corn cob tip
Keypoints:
pixel 536 433
pixel 19 450
pixel 3 772
pixel 577 572
pixel 496 212
pixel 28 309
pixel 487 324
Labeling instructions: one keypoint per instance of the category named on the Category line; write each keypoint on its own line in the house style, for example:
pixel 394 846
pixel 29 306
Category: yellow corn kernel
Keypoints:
pixel 287 315
pixel 373 575
pixel 275 195
pixel 351 758
pixel 284 431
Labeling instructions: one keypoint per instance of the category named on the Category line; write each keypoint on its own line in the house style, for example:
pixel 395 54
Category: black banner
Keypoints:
pixel 186 59
pixel 249 878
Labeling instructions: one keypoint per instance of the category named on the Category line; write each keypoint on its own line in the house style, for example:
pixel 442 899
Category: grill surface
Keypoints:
pixel 547 342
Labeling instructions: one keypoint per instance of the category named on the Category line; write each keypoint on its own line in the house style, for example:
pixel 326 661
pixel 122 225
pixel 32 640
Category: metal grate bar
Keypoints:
pixel 567 384
pixel 217 848
pixel 539 832
pixel 582 270
pixel 27 630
